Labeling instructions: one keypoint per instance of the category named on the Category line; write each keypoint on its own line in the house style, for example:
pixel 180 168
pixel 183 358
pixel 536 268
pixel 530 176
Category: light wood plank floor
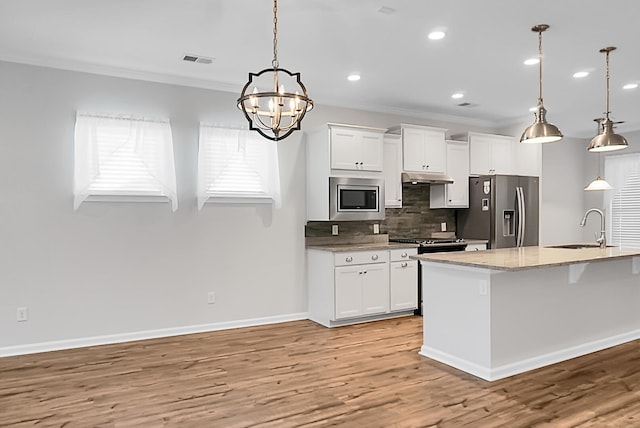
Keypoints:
pixel 301 374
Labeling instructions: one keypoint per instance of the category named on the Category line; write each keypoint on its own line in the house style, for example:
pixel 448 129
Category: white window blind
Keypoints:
pixel 237 166
pixel 623 173
pixel 123 156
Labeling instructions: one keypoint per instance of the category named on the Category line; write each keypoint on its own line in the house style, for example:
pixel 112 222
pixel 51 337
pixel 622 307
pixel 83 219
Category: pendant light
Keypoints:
pixel 540 131
pixel 607 140
pixel 274 113
pixel 599 183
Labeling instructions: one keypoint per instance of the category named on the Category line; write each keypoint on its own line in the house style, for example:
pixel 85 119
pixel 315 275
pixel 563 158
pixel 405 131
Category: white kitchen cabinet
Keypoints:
pixel 456 194
pixel 356 148
pixel 403 279
pixel 490 154
pixel 347 287
pixel 392 171
pixel 527 159
pixel 423 148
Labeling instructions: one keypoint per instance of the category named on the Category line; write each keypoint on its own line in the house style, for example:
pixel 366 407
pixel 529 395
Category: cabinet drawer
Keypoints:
pixel 361 257
pixel 402 254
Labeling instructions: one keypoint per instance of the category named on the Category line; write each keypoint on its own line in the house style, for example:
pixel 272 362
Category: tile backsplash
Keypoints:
pixel 415 219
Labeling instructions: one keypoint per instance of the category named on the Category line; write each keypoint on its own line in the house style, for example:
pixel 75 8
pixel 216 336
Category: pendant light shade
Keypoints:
pixel 598 184
pixel 607 140
pixel 273 112
pixel 540 131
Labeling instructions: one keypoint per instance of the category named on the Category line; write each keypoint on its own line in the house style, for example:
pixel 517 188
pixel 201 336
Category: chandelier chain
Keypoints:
pixel 274 63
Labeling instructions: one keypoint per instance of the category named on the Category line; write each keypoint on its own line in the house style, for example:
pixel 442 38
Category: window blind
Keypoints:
pixel 236 166
pixel 118 155
pixel 623 173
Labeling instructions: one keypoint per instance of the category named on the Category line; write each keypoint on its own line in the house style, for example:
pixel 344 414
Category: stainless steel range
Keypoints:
pixel 430 245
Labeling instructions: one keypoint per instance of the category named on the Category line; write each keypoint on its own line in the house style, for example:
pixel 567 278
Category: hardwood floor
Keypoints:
pixel 301 374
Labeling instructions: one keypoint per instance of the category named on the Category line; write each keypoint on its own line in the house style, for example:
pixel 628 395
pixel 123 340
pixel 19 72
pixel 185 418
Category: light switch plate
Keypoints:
pixel 334 229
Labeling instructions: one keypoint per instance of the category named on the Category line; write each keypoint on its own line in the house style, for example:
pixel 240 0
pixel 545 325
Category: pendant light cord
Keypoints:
pixel 540 65
pixel 607 98
pixel 274 63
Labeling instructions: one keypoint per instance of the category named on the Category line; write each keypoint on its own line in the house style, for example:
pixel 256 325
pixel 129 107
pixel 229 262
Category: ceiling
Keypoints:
pixel 402 70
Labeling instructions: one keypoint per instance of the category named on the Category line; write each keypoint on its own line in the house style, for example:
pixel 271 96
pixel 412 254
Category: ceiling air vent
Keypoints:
pixel 466 105
pixel 197 58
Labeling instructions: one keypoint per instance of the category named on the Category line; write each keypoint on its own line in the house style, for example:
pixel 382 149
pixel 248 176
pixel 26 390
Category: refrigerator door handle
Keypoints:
pixel 522 219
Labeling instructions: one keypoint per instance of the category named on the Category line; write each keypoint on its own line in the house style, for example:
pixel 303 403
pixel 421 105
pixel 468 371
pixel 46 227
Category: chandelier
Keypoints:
pixel 271 110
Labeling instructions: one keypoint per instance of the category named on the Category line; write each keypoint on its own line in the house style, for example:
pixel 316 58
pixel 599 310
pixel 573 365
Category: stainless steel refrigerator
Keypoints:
pixel 502 209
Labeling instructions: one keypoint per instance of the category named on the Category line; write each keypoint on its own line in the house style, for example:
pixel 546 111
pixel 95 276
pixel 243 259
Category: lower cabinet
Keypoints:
pixel 361 290
pixel 349 287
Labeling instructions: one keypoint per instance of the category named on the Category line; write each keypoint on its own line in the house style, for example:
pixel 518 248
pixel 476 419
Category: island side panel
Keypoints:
pixel 457 316
pixel 539 317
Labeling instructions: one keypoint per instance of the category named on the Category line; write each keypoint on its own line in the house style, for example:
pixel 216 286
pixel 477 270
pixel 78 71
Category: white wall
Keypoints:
pixel 115 271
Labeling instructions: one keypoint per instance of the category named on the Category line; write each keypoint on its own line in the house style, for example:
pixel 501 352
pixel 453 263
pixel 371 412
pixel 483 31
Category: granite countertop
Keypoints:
pixel 336 248
pixel 512 259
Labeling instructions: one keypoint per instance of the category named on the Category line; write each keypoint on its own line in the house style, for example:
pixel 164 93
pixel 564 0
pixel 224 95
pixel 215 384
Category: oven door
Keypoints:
pixel 356 198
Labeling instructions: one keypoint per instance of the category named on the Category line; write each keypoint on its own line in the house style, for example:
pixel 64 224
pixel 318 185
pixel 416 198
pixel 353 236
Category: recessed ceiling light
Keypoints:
pixel 386 10
pixel 354 77
pixel 630 86
pixel 580 74
pixel 457 95
pixel 436 35
pixel 531 61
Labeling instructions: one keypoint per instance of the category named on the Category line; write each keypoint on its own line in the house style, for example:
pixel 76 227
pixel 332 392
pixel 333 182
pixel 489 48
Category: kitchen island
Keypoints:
pixel 497 313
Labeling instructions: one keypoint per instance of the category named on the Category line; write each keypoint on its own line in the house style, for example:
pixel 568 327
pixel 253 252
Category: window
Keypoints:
pixel 237 166
pixel 623 202
pixel 123 158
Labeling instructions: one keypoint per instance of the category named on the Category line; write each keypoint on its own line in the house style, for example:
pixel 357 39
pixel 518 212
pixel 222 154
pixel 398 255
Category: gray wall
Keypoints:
pixel 115 271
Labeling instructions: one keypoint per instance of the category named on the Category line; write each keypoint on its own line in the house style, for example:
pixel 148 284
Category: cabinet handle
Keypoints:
pixel 364 271
pixel 349 259
pixel 374 257
pixel 403 255
pixel 404 264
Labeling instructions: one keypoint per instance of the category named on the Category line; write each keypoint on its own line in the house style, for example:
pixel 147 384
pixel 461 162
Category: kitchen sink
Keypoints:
pixel 577 246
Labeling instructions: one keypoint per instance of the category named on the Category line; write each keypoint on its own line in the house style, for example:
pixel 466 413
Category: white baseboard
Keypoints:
pixel 33 348
pixel 517 367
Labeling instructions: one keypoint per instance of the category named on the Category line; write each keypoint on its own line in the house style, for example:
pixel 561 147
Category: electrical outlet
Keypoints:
pixel 334 229
pixel 22 314
pixel 443 226
pixel 483 289
pixel 211 297
pixel 376 229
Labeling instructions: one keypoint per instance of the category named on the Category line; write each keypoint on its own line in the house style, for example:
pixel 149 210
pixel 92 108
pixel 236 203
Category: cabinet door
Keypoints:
pixel 502 154
pixel 457 193
pixel 434 150
pixel 404 285
pixel 348 291
pixel 480 162
pixel 345 149
pixel 375 288
pixel 527 159
pixel 371 148
pixel 413 150
pixel 392 171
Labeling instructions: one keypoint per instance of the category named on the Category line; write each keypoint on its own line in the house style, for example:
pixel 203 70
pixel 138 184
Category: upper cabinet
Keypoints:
pixel 527 159
pixel 456 194
pixel 392 171
pixel 491 154
pixel 356 148
pixel 423 148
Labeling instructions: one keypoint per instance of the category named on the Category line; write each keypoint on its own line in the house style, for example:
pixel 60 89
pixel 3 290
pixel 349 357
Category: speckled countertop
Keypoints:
pixel 336 248
pixel 512 259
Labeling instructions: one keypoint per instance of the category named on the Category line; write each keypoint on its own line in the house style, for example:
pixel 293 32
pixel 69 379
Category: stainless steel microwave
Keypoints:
pixel 353 198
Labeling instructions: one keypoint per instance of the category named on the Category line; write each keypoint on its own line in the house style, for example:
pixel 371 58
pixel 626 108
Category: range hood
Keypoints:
pixel 426 178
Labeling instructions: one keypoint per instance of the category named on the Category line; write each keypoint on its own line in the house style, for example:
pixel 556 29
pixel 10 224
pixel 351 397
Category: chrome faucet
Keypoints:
pixel 602 240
